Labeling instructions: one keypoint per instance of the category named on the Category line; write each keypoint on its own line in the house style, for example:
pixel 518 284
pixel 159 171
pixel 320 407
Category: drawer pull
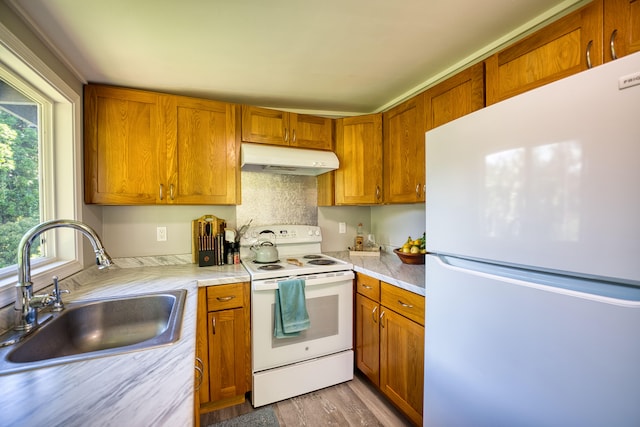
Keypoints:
pixel 405 305
pixel 225 299
pixel 382 319
pixel 213 326
pixel 373 314
pixel 366 286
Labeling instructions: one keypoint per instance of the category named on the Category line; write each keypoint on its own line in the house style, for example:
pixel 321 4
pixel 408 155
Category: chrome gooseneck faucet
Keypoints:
pixel 27 303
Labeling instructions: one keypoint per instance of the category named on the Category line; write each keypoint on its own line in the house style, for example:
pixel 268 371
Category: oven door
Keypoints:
pixel 329 304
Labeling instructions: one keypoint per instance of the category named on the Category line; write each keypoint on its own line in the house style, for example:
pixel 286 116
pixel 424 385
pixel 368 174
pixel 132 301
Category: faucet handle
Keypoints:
pixel 57 297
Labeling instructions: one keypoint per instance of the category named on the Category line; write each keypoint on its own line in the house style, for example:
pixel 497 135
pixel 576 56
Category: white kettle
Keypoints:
pixel 265 251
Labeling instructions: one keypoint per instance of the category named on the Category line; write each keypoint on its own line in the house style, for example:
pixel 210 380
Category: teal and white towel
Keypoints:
pixel 291 316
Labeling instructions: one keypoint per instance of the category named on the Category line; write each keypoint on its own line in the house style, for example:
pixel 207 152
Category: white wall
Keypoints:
pixel 130 231
pixel 392 224
pixel 329 219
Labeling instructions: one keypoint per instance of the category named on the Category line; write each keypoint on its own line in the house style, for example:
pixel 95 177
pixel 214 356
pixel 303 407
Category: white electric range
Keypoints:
pixel 320 356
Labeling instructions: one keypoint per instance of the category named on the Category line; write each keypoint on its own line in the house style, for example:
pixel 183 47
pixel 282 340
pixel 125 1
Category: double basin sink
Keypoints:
pixel 97 328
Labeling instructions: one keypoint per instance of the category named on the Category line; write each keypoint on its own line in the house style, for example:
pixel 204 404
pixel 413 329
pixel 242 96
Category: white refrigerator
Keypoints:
pixel 533 276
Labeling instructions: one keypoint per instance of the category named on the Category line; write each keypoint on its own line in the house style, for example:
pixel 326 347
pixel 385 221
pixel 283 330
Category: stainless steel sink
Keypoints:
pixel 98 328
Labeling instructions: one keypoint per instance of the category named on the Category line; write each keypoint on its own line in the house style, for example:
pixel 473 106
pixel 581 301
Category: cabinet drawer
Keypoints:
pixel 368 286
pixel 225 296
pixel 403 302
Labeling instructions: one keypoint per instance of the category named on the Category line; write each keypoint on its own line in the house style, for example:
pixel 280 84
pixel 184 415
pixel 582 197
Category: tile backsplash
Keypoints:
pixel 278 199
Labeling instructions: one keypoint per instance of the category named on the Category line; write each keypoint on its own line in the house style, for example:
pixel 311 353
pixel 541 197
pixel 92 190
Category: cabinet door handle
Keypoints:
pixel 286 135
pixel 382 319
pixel 161 191
pixel 373 314
pixel 294 136
pixel 612 44
pixel 199 369
pixel 378 192
pixel 589 53
pixel 171 191
pixel 366 286
pixel 213 325
pixel 405 305
pixel 225 299
pixel 418 190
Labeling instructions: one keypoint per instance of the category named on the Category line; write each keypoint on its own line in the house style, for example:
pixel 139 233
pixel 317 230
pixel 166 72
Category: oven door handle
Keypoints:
pixel 264 285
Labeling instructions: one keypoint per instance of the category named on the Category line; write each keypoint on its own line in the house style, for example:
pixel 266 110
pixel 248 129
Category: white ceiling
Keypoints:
pixel 340 56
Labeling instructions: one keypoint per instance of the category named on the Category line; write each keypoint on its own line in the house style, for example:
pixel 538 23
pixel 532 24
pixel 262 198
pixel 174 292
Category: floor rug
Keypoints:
pixel 263 417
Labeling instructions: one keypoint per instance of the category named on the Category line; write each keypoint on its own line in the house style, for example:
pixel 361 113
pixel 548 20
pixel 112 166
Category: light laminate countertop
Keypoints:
pixel 152 386
pixel 388 268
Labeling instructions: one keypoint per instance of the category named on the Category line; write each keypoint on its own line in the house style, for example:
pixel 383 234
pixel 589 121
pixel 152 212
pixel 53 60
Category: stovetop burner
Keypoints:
pixel 270 267
pixel 322 262
pixel 313 256
pixel 265 262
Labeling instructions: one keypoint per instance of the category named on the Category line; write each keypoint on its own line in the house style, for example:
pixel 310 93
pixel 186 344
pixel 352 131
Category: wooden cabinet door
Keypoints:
pixel 202 351
pixel 226 332
pixel 455 97
pixel 310 132
pixel 204 163
pixel 402 363
pixel 359 150
pixel 404 162
pixel 560 49
pixel 367 338
pixel 124 146
pixel 265 126
pixel 621 28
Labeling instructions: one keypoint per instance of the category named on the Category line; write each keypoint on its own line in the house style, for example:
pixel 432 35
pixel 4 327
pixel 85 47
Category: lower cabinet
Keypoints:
pixel 390 342
pixel 223 364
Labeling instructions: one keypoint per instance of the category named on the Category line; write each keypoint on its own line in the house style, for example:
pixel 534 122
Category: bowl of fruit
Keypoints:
pixel 413 251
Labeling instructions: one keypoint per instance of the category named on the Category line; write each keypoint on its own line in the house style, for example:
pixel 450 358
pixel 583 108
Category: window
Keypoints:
pixel 40 165
pixel 20 166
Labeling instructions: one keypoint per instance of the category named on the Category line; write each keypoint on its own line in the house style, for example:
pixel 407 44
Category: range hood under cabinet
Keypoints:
pixel 287 160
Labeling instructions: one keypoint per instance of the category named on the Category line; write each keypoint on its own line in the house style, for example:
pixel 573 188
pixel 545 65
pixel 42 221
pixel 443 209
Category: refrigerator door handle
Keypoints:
pixel 604 292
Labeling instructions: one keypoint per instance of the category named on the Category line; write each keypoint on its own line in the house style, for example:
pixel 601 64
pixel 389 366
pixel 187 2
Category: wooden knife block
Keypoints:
pixel 198 226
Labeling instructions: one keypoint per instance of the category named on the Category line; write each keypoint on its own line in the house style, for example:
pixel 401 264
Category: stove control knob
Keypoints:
pixel 317 232
pixel 310 232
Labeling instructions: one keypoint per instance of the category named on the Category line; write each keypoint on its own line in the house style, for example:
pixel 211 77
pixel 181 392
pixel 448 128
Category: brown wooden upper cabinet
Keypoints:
pixel 358 181
pixel 144 148
pixel 403 152
pixel 204 162
pixel 455 97
pixel 267 126
pixel 125 149
pixel 621 28
pixel 565 47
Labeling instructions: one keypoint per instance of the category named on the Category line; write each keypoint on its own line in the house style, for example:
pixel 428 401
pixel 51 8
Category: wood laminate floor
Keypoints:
pixel 354 403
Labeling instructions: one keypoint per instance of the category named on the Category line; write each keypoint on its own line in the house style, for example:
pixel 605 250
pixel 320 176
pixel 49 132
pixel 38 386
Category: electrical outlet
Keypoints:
pixel 161 234
pixel 342 227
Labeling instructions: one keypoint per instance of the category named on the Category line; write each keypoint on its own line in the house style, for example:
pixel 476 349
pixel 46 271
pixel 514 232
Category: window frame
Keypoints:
pixel 61 168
